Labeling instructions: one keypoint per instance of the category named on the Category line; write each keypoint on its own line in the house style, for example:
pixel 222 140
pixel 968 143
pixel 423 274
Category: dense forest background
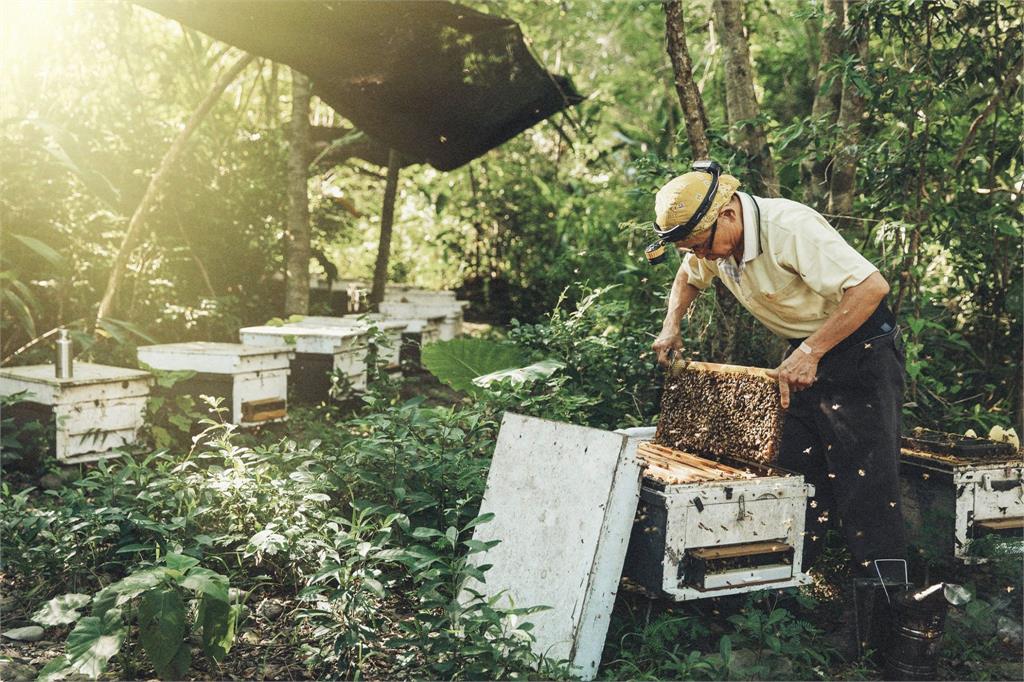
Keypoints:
pixel 335 545
pixel 94 93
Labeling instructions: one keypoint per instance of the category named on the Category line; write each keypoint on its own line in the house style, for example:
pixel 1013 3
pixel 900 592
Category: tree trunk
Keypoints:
pixel 843 184
pixel 387 218
pixel 152 196
pixel 296 293
pixel 827 102
pixel 740 99
pixel 686 89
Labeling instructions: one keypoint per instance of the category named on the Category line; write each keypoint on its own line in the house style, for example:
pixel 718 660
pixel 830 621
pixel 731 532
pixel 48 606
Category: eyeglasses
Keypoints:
pixel 706 246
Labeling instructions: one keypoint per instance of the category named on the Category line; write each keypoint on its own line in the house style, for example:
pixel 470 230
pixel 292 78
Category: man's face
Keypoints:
pixel 706 246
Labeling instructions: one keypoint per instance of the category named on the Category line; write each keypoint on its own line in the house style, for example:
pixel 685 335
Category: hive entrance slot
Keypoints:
pixel 1003 526
pixel 263 410
pixel 711 568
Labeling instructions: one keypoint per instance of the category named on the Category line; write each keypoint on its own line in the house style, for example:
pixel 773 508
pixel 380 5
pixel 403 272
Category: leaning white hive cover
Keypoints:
pixel 564 498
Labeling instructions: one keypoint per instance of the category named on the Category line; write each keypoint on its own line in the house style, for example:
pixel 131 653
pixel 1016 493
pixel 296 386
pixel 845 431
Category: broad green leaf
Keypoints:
pixel 206 582
pixel 135 584
pixel 41 249
pixel 180 562
pixel 22 310
pixel 57 669
pixel 459 361
pixel 218 622
pixel 162 631
pixel 521 375
pixel 61 610
pixel 104 600
pixel 93 641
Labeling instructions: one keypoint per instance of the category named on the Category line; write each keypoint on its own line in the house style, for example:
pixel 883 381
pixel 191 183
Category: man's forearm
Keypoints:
pixel 679 301
pixel 854 309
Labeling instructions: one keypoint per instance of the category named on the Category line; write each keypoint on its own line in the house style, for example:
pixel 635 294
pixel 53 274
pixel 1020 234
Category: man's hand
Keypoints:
pixel 796 373
pixel 665 344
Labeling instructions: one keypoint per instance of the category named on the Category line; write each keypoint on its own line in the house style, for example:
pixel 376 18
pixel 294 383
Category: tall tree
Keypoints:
pixel 740 99
pixel 843 183
pixel 827 101
pixel 687 90
pixel 296 296
pixel 387 219
pixel 156 185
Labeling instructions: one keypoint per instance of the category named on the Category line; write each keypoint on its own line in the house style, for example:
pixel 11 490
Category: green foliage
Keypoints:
pixel 161 617
pixel 607 360
pixel 22 439
pixel 459 361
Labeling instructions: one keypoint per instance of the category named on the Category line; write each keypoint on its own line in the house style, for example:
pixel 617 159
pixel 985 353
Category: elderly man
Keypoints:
pixel 842 378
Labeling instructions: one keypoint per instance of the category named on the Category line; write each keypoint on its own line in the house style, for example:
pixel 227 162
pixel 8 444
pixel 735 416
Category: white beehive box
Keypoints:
pixel 253 380
pixel 319 351
pixel 98 410
pixel 954 493
pixel 446 316
pixel 417 333
pixel 563 497
pixel 389 351
pixel 709 530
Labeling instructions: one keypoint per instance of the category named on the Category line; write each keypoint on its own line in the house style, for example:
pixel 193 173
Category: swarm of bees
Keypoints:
pixel 721 414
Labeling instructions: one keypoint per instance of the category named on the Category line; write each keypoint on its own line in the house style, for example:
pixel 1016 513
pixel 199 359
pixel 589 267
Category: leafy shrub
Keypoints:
pixel 154 599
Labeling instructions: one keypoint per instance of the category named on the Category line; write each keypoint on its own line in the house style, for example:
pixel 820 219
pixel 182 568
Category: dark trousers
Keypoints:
pixel 843 435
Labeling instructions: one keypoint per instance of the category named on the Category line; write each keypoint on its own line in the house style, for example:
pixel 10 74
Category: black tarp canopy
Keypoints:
pixel 436 81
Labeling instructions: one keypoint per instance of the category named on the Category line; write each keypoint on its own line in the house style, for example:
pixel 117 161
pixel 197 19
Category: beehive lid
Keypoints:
pixel 721 411
pixel 415 311
pixel 85 374
pixel 349 321
pixel 564 498
pixel 214 357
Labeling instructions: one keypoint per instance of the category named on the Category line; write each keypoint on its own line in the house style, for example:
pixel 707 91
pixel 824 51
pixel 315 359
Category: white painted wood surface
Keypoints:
pixel 98 410
pixel 439 318
pixel 984 492
pixel 729 513
pixel 563 498
pixel 215 358
pixel 319 340
pixel 390 349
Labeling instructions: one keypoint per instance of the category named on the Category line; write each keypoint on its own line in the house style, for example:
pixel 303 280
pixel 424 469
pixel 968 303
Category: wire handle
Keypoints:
pixel 878 571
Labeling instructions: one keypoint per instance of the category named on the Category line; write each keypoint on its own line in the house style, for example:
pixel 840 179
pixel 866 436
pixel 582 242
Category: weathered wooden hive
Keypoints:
pixel 957 489
pixel 438 307
pixel 319 352
pixel 418 332
pixel 715 518
pixel 94 413
pixel 389 349
pixel 252 380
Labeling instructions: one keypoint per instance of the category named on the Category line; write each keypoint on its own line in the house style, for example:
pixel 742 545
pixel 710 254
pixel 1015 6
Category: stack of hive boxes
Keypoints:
pixel 715 517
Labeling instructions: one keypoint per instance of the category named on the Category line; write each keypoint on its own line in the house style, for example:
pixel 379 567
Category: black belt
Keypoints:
pixel 880 323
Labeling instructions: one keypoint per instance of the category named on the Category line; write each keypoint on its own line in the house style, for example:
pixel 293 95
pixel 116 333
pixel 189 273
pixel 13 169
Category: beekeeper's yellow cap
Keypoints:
pixel 680 197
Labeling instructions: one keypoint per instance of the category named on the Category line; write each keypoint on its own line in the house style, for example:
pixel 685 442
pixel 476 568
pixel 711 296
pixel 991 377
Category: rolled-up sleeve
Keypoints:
pixel 815 251
pixel 699 273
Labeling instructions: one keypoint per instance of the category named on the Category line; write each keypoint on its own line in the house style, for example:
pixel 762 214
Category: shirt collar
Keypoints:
pixel 751 238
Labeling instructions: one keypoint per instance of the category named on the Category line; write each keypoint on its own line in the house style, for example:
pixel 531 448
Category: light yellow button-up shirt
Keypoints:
pixel 798 278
